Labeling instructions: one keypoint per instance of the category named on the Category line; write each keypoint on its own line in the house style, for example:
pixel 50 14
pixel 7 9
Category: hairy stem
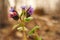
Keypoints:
pixel 24 33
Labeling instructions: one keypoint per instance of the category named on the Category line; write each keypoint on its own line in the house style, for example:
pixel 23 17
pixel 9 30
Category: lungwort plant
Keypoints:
pixel 24 17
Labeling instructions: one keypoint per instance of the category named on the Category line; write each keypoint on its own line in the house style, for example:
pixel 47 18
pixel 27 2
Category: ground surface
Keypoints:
pixel 49 28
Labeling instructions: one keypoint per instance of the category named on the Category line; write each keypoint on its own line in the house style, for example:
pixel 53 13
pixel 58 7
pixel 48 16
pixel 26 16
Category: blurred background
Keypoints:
pixel 46 15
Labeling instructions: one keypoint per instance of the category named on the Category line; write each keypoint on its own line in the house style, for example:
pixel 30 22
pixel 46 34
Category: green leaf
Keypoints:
pixel 28 19
pixel 38 38
pixel 21 29
pixel 15 26
pixel 33 30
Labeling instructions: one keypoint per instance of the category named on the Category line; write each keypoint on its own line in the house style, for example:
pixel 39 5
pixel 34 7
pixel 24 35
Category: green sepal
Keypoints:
pixel 28 19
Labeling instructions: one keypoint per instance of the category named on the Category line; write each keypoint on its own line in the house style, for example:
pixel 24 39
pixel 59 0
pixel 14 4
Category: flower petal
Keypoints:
pixel 30 10
pixel 23 7
pixel 12 9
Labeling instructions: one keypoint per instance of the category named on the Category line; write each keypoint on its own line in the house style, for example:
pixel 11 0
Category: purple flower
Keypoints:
pixel 12 9
pixel 14 15
pixel 23 7
pixel 30 10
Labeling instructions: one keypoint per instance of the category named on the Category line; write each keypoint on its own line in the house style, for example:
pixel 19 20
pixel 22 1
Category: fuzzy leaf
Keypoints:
pixel 15 26
pixel 21 29
pixel 33 30
pixel 38 38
